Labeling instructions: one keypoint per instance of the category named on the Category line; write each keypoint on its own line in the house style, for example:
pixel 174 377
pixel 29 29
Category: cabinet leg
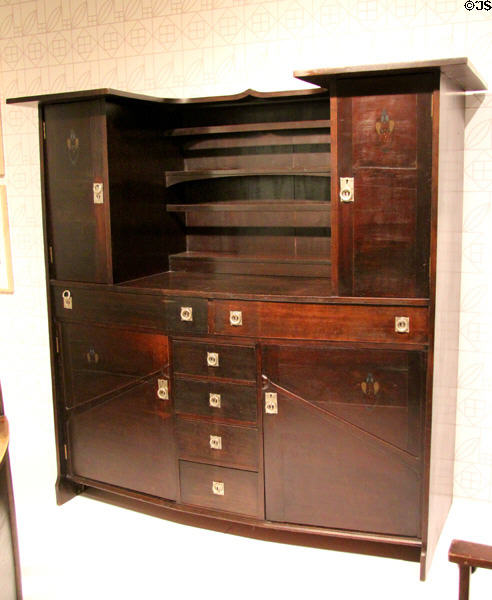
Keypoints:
pixel 464 582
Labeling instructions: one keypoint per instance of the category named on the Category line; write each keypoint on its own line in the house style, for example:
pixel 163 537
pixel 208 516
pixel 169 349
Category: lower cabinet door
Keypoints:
pixel 120 433
pixel 343 445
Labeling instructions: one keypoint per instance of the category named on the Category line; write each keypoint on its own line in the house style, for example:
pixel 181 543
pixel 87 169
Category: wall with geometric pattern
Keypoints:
pixel 205 47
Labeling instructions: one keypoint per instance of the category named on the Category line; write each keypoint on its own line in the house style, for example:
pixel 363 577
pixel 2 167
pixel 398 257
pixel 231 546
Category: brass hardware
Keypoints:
pixel 186 313
pixel 50 252
pixel 44 130
pixel 57 344
pixel 402 324
pixel 65 451
pixel 346 189
pixel 92 356
pixel 98 192
pixel 369 386
pixel 67 299
pixel 212 359
pixel 163 389
pixel 215 442
pixel 214 400
pixel 218 488
pixel 236 318
pixel 271 403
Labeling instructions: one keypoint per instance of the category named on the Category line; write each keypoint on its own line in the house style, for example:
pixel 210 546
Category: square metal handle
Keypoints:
pixel 212 359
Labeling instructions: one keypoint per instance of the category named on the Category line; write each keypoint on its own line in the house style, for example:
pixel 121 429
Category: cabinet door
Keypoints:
pixel 75 159
pixel 384 142
pixel 344 450
pixel 119 424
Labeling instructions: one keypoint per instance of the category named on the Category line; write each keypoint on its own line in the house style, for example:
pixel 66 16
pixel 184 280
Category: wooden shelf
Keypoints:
pixel 253 205
pixel 249 127
pixel 174 177
pixel 222 262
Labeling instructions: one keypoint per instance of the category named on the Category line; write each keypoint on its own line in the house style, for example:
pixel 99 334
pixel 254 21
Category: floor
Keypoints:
pixel 86 549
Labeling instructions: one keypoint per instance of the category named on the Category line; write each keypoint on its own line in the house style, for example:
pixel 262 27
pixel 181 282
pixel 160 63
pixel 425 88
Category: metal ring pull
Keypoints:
pixel 186 313
pixel 236 318
pixel 215 442
pixel 67 299
pixel 402 324
pixel 163 389
pixel 214 400
pixel 218 488
pixel 212 359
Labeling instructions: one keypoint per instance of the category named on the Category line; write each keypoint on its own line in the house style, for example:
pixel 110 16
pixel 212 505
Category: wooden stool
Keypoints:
pixel 468 557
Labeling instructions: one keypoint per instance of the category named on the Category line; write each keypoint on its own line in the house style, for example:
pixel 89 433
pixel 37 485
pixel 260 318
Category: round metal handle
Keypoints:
pixel 236 318
pixel 66 294
pixel 162 393
pixel 402 324
pixel 186 313
pixel 214 400
pixel 212 359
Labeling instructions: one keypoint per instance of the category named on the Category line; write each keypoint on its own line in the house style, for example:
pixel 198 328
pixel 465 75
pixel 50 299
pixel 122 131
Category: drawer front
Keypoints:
pixel 321 322
pixel 225 445
pixel 238 490
pixel 100 361
pixel 141 310
pixel 217 400
pixel 214 360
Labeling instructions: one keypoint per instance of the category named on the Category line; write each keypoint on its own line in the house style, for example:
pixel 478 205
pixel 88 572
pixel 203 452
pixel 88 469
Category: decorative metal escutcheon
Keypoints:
pixel 402 324
pixel 212 359
pixel 186 313
pixel 346 189
pixel 214 400
pixel 218 488
pixel 236 318
pixel 215 442
pixel 67 299
pixel 370 386
pixel 98 192
pixel 271 403
pixel 92 357
pixel 163 389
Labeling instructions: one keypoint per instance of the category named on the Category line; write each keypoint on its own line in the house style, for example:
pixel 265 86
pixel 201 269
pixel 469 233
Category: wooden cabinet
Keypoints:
pixel 254 320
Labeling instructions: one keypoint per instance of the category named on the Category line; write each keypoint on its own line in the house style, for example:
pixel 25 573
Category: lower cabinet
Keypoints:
pixel 343 447
pixel 119 422
pixel 315 434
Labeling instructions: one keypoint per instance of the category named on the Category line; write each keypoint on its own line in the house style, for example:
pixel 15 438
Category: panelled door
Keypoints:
pixel 343 445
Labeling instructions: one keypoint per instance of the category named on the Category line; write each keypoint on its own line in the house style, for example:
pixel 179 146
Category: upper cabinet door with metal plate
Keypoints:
pixel 382 182
pixel 76 189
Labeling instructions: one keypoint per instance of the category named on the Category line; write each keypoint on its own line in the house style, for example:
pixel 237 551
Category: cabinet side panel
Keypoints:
pixel 445 270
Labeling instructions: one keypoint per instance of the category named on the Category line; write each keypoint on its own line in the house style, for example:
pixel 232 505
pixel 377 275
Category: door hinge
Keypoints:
pixel 65 451
pixel 44 130
pixel 50 254
pixel 57 345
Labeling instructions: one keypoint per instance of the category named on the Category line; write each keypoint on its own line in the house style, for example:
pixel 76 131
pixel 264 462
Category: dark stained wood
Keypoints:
pixel 468 556
pixel 337 323
pixel 100 360
pixel 174 177
pixel 240 488
pixel 242 127
pixel 238 402
pixel 235 362
pixel 459 70
pixel 239 444
pixel 126 440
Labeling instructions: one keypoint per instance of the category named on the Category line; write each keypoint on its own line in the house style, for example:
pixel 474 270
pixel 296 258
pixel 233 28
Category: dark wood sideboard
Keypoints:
pixel 254 303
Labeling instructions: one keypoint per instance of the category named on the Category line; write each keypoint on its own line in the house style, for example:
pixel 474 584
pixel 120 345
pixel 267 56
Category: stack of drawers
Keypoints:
pixel 216 415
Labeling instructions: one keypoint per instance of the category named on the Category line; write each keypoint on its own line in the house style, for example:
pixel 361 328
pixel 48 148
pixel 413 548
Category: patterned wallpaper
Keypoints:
pixel 204 47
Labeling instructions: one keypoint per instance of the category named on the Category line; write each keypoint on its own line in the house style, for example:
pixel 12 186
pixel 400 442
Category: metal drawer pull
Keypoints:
pixel 212 359
pixel 215 442
pixel 92 357
pixel 271 403
pixel 98 192
pixel 214 400
pixel 186 313
pixel 236 318
pixel 346 189
pixel 218 488
pixel 402 324
pixel 163 389
pixel 67 299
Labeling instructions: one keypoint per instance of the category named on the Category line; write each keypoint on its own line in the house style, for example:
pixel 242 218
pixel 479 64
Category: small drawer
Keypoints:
pixel 220 488
pixel 72 302
pixel 218 400
pixel 226 445
pixel 214 360
pixel 406 325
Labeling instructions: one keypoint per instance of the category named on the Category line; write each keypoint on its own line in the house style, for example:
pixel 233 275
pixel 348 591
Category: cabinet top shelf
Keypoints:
pixel 250 127
pixel 458 69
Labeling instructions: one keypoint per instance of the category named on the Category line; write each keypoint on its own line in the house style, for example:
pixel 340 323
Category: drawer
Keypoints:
pixel 216 400
pixel 354 323
pixel 126 308
pixel 214 360
pixel 226 445
pixel 220 488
